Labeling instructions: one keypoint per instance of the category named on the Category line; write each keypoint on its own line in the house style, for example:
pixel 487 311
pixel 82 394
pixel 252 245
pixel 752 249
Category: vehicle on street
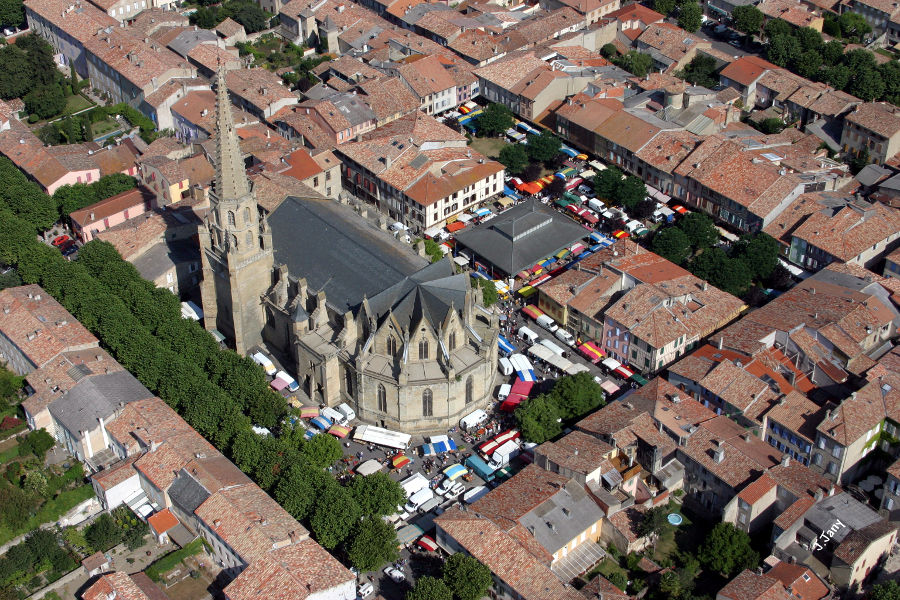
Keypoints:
pixel 265 362
pixel 365 590
pixel 68 249
pixel 60 240
pixel 395 574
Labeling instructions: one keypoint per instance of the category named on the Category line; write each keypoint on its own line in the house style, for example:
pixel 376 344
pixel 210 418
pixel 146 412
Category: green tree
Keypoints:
pixel 672 244
pixel 429 588
pixel 727 551
pixel 630 191
pixel 619 579
pixel 837 76
pixel 543 147
pixel 433 250
pixel 514 158
pixel 322 451
pixel 691 16
pixel 372 544
pixel 889 590
pixel 17 506
pixel 538 419
pixel 12 13
pixel 654 521
pixel 747 19
pixel 700 229
pixel 133 537
pixel 701 71
pixel 781 49
pixel 771 125
pixel 495 119
pixel 664 7
pixel 248 14
pixel 890 75
pixel 334 509
pixel 808 38
pixel 299 487
pixel 854 26
pixel 103 533
pixel 832 52
pixel 36 482
pixel 488 291
pixel 377 494
pixel 670 584
pixel 866 85
pixel 636 63
pixel 10 384
pixel 577 395
pixel 808 64
pixel 36 442
pixel 609 51
pixel 45 101
pixel 466 577
pixel 760 253
pixel 606 182
pixel 777 27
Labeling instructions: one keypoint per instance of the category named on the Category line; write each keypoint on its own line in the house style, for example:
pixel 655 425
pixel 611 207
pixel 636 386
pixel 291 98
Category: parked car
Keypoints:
pixel 395 574
pixel 69 248
pixel 60 240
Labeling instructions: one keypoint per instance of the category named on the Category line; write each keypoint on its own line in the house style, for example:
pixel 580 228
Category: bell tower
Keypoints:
pixel 236 243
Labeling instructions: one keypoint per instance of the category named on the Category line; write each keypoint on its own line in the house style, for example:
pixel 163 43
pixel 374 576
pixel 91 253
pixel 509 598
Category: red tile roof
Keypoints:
pixel 162 521
pixel 752 586
pixel 800 581
pixel 754 492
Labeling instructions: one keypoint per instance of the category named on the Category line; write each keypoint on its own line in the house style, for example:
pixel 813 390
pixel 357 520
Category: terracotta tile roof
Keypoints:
pixel 508 560
pixel 671 41
pixel 46 165
pixel 62 373
pixel 566 285
pixel 229 27
pixel 525 491
pixel 627 522
pixel 745 457
pixel 783 226
pixel 272 188
pixel 800 480
pixel 851 230
pixel 81 22
pixel 754 492
pixel 593 298
pixel 138 234
pixel 114 475
pixel 636 11
pixel 301 165
pixel 387 97
pixel 734 385
pixel 877 117
pixel 510 70
pixel 545 26
pixel 199 108
pixel 95 561
pixel 799 414
pixel 141 63
pixel 752 586
pixel 477 46
pixel 788 10
pixel 800 581
pixel 692 367
pixel 747 69
pixel 600 587
pixel 857 542
pixel 137 198
pixel 118 585
pixel 894 469
pixel 115 159
pixel 294 572
pixel 258 87
pixel 888 7
pixel 862 411
pixel 426 76
pixel 39 326
pixel 667 149
pixel 162 521
pixel 211 57
pixel 578 452
pixel 627 130
pixel 793 512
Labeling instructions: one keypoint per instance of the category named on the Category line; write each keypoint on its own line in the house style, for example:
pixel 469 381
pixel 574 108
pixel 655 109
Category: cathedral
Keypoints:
pixel 365 321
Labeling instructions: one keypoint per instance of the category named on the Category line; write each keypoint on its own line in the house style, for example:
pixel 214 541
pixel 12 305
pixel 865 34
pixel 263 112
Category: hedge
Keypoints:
pixel 173 559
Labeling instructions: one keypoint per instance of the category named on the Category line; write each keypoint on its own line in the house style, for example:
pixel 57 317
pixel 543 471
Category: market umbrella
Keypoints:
pixel 427 543
pixel 399 461
pixel 456 471
pixel 339 431
pixel 309 412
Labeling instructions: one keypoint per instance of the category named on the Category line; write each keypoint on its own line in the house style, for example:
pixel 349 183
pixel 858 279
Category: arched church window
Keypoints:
pixel 427 403
pixel 231 218
pixel 234 244
pixel 452 341
pixel 423 349
pixel 247 215
pixel 391 346
pixel 470 389
pixel 249 238
pixel 382 398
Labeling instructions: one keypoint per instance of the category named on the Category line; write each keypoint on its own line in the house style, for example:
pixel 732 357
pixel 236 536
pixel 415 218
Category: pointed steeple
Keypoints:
pixel 231 178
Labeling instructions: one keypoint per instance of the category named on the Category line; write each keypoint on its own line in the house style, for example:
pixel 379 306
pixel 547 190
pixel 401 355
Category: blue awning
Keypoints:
pixel 428 450
pixel 482 212
pixel 597 237
pixel 568 151
pixel 444 446
pixel 505 346
pixel 526 375
pixel 309 434
pixel 321 422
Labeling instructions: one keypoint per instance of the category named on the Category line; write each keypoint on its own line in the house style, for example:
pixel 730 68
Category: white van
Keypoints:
pixel 333 415
pixel 418 499
pixel 547 323
pixel 473 419
pixel 291 384
pixel 503 394
pixel 565 336
pixel 505 366
pixel 551 346
pixel 528 335
pixel 344 409
pixel 263 361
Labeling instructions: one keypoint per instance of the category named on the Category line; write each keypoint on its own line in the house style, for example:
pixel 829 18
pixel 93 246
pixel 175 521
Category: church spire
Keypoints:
pixel 231 178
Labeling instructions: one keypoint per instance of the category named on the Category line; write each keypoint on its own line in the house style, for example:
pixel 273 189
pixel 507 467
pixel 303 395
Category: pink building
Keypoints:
pixel 89 221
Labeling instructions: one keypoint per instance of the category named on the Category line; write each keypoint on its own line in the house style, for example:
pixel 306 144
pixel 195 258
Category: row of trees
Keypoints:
pixel 616 189
pixel 803 51
pixel 542 417
pixel 248 14
pixel 689 12
pixel 462 578
pixel 754 258
pixel 12 13
pixel 41 551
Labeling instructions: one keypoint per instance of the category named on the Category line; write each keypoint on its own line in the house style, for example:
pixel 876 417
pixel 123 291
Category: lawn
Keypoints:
pixel 76 103
pixel 104 127
pixel 606 568
pixel 489 146
pixel 50 511
pixel 172 560
pixel 9 454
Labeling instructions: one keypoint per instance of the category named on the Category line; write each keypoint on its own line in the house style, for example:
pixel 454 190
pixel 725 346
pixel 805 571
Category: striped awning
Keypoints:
pixel 321 422
pixel 309 412
pixel 400 460
pixel 427 543
pixel 339 431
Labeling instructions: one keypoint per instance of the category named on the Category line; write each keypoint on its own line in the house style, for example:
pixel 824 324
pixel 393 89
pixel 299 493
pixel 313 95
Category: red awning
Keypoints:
pixel 532 311
pixel 590 351
pixel 531 188
pixel 510 404
pixel 624 372
pixel 521 387
pixel 680 209
pixel 573 207
pixel 589 217
pixel 455 226
pixel 427 543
